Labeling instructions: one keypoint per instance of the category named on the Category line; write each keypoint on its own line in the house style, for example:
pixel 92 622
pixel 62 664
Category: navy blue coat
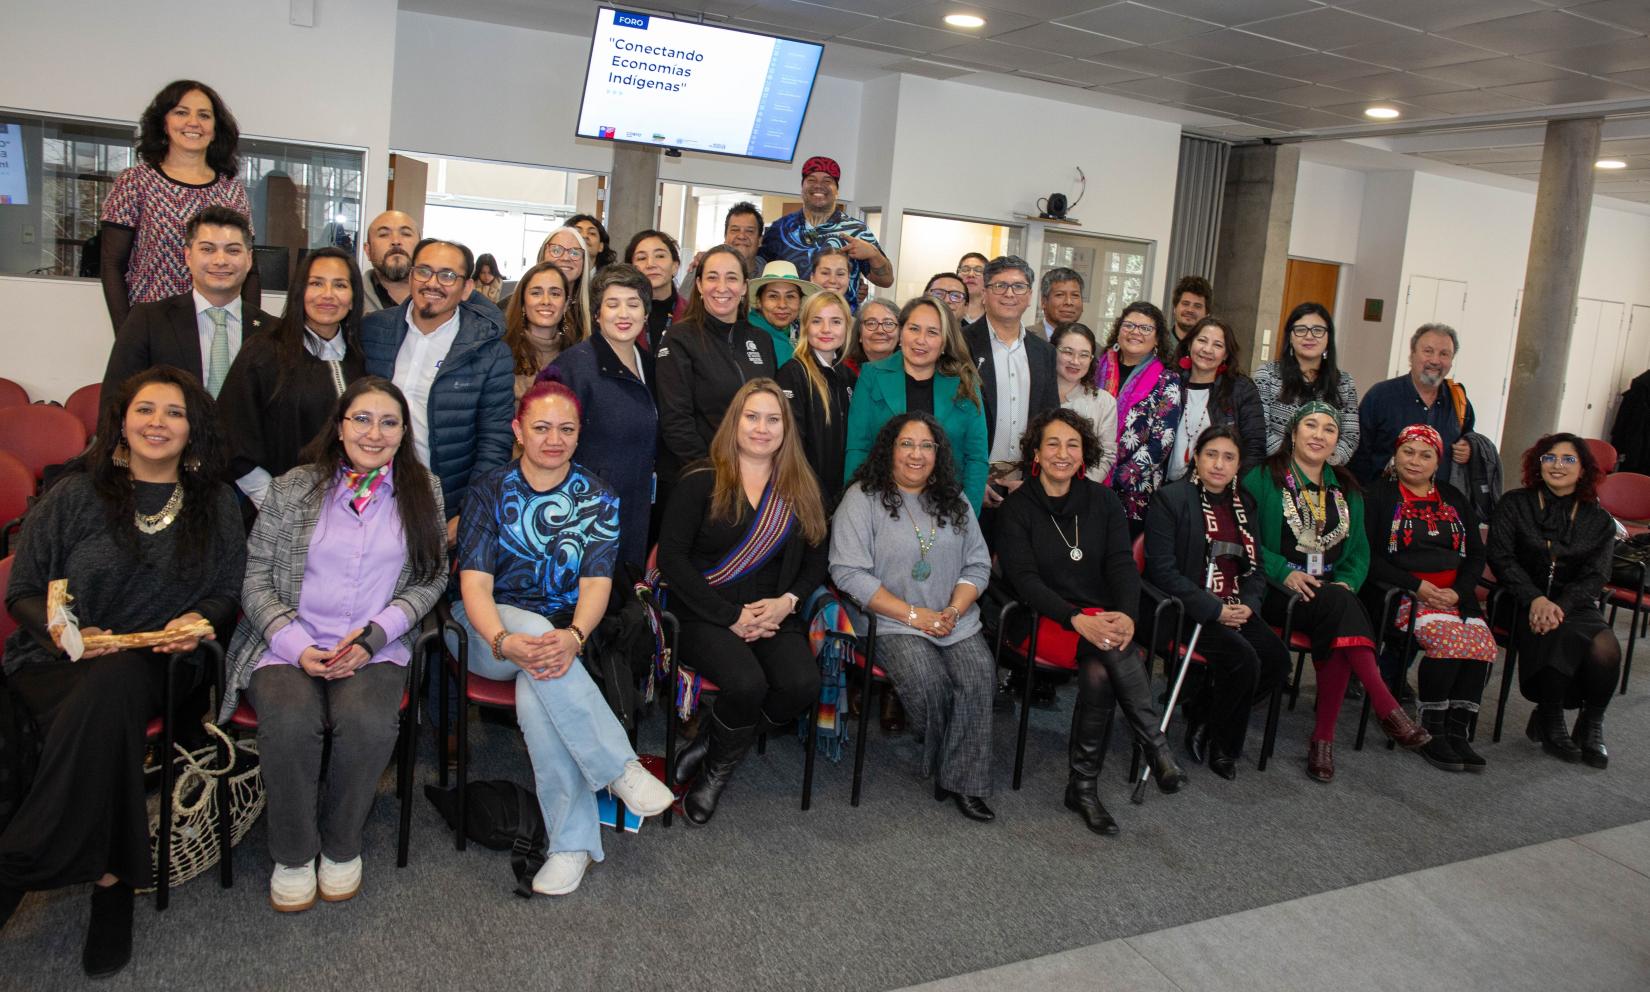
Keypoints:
pixel 617 433
pixel 472 400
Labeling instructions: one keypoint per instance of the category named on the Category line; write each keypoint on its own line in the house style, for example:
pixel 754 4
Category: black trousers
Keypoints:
pixel 1244 665
pixel 774 677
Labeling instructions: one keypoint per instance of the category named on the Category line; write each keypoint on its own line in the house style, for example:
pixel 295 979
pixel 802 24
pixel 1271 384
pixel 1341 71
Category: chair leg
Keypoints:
pixel 1295 683
pixel 1269 740
pixel 867 699
pixel 461 840
pixel 762 743
pixel 1506 690
pixel 1363 724
pixel 443 721
pixel 808 760
pixel 404 777
pixel 1632 640
pixel 671 720
pixel 163 886
pixel 226 866
pixel 1028 690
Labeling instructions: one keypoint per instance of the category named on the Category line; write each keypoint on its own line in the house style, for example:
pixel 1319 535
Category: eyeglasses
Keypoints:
pixel 1313 331
pixel 1009 288
pixel 907 445
pixel 1130 327
pixel 970 270
pixel 1565 460
pixel 363 424
pixel 1074 355
pixel 872 324
pixel 446 277
pixel 951 296
pixel 557 251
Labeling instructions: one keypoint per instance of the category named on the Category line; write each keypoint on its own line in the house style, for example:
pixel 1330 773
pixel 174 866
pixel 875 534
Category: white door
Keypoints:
pixel 1428 300
pixel 1592 370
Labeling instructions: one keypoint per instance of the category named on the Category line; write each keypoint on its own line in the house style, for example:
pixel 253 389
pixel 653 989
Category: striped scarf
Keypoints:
pixel 767 532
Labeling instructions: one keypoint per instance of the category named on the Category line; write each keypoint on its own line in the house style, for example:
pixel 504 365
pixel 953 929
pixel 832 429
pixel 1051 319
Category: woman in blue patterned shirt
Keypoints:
pixel 536 547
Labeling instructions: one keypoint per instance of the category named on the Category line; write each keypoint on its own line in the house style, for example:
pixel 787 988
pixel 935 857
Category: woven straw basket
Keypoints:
pixel 195 804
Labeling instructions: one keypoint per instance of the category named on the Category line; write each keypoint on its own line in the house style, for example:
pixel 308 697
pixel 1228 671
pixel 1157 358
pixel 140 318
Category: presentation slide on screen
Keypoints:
pixel 14 183
pixel 663 82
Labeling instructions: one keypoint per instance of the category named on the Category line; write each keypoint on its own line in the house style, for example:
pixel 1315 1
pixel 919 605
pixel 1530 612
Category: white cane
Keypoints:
pixel 1139 796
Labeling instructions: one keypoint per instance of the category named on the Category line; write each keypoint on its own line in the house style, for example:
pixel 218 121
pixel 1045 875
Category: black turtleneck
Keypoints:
pixel 1035 534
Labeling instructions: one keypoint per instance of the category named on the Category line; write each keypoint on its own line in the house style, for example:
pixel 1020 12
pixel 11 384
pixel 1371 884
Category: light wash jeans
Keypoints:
pixel 575 742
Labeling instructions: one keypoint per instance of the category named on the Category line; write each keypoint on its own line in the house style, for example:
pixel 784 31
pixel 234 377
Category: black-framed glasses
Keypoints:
pixel 970 270
pixel 1130 327
pixel 886 324
pixel 446 277
pixel 948 296
pixel 1314 331
pixel 1009 288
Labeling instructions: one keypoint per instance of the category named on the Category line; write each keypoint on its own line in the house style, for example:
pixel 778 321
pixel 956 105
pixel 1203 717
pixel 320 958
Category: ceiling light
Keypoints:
pixel 965 20
pixel 1609 163
pixel 1381 113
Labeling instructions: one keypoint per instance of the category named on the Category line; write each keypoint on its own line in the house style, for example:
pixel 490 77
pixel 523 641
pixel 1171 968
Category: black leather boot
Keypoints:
pixel 1090 732
pixel 109 932
pixel 692 755
pixel 1589 736
pixel 1456 727
pixel 1134 698
pixel 1547 728
pixel 1197 741
pixel 1439 752
pixel 727 748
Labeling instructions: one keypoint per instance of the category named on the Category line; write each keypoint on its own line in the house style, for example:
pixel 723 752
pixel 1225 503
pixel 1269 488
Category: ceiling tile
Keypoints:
pixel 1314 95
pixel 1486 156
pixel 1235 79
pixel 1041 10
pixel 1534 32
pixel 1154 61
pixel 1437 15
pixel 1624 147
pixel 1227 12
pixel 1063 40
pixel 1237 47
pixel 1238 106
pixel 1470 102
pixel 1575 89
pixel 933 70
pixel 1327 28
pixel 1242 130
pixel 1138 23
pixel 1631 14
pixel 1306 117
pixel 932 15
pixel 1355 111
pixel 1164 90
pixel 1316 67
pixel 1616 56
pixel 995 53
pixel 1395 85
pixel 1093 73
pixel 1503 71
pixel 910 37
pixel 1414 51
pixel 1638 77
pixel 792 17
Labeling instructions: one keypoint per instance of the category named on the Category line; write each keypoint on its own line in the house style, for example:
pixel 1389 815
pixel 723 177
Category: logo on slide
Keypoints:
pixel 604 131
pixel 624 20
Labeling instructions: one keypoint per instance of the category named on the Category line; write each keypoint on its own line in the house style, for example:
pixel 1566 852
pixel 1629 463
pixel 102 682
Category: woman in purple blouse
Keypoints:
pixel 348 554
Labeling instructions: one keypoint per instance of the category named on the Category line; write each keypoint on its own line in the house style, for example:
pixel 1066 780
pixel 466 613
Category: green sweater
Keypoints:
pixel 1351 565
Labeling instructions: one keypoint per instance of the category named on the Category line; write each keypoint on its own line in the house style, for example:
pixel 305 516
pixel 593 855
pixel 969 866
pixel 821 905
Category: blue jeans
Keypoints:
pixel 575 742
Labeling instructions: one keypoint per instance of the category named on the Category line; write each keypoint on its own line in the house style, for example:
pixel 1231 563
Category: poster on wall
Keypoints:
pixel 14 183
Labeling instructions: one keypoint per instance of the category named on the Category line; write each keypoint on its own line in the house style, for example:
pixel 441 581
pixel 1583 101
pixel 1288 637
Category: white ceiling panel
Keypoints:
pixel 1395 85
pixel 1328 28
pixel 1063 40
pixel 1469 102
pixel 1307 118
pixel 1615 56
pixel 1235 79
pixel 932 15
pixel 1414 51
pixel 1576 89
pixel 1155 61
pixel 996 53
pixel 1312 95
pixel 1631 14
pixel 1139 24
pixel 1503 71
pixel 1094 73
pixel 1237 47
pixel 1535 32
pixel 1316 67
pixel 1437 15
pixel 1227 12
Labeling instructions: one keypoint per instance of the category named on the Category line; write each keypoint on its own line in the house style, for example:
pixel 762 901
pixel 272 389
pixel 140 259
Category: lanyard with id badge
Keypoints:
pixel 1312 507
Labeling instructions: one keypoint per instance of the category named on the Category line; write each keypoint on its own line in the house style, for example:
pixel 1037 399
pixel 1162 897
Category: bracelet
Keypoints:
pixel 578 634
pixel 911 614
pixel 498 644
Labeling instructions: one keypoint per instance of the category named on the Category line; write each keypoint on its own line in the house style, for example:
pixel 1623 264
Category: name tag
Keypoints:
pixel 1314 563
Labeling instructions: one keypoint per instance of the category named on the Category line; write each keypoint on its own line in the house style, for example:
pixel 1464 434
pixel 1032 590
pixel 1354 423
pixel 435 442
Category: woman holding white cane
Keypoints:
pixel 1064 548
pixel 1186 521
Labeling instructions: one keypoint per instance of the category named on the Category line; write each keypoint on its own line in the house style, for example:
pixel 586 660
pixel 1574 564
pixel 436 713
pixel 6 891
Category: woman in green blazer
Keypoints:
pixel 931 372
pixel 1310 533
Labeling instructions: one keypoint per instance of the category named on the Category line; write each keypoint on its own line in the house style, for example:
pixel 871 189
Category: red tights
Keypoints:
pixel 1333 676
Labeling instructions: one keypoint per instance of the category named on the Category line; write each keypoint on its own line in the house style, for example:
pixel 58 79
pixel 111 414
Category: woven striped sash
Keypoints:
pixel 768 531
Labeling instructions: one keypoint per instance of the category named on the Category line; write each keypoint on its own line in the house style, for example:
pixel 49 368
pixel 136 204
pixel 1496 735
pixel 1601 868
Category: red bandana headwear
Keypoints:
pixel 1420 432
pixel 820 163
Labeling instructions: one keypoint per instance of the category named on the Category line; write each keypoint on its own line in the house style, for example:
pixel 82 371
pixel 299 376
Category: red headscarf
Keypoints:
pixel 1420 432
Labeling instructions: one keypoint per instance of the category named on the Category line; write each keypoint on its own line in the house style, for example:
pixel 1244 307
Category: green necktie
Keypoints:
pixel 218 366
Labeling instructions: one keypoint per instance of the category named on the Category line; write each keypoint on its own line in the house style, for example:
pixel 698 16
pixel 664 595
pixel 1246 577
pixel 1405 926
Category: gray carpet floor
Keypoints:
pixel 899 891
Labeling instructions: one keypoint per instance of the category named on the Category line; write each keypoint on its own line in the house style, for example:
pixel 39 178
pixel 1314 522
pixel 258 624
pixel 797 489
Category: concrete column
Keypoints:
pixel 1552 277
pixel 1252 251
pixel 632 192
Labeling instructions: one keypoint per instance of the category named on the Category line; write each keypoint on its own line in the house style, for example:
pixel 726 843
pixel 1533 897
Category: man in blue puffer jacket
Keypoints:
pixel 449 357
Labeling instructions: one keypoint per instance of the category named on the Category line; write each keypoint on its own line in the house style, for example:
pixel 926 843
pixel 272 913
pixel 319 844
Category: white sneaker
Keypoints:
pixel 339 880
pixel 561 874
pixel 292 890
pixel 640 791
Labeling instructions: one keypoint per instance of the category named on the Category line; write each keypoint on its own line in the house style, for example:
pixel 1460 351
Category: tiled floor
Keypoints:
pixel 1572 914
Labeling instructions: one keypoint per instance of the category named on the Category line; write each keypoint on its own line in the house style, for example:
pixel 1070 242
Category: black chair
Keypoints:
pixel 871 676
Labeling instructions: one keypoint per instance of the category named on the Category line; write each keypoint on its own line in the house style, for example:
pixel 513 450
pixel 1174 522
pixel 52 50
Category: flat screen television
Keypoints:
pixel 675 84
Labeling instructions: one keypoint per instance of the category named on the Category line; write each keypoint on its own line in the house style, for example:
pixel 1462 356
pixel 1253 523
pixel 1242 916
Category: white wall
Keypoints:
pixel 1328 208
pixel 328 84
pixel 1363 347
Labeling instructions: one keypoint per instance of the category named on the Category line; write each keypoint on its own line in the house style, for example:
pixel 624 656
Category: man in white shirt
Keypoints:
pixel 1062 299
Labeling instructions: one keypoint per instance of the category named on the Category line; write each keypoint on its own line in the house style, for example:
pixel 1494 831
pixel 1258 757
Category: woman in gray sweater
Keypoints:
pixel 924 586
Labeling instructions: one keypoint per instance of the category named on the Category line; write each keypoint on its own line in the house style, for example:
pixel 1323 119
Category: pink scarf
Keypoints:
pixel 1128 394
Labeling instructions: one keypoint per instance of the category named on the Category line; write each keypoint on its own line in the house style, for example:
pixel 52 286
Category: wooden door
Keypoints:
pixel 409 179
pixel 1304 281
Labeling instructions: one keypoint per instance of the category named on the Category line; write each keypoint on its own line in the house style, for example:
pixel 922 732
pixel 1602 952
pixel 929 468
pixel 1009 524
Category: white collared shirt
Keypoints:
pixel 416 366
pixel 1013 370
pixel 206 329
pixel 325 350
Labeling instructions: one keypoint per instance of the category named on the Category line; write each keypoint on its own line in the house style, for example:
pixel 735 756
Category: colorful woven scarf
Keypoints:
pixel 1140 384
pixel 362 485
pixel 767 532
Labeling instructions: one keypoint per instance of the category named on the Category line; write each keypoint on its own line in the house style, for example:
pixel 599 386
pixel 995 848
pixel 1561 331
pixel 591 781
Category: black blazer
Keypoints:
pixel 1243 410
pixel 1177 547
pixel 164 333
pixel 1045 387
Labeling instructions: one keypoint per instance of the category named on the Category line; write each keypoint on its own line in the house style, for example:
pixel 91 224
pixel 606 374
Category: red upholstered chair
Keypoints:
pixel 16 487
pixel 11 394
pixel 41 435
pixel 83 403
pixel 1604 453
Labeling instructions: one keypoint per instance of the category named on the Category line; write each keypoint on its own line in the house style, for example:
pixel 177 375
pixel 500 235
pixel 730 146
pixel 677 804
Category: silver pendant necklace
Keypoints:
pixel 1072 549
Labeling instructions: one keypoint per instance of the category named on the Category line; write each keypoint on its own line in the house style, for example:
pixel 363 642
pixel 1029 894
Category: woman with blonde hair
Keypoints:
pixel 819 388
pixel 533 322
pixel 565 248
pixel 742 544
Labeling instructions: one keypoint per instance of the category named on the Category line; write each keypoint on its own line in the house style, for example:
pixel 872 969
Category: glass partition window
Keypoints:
pixel 501 209
pixel 1114 271
pixel 929 244
pixel 696 215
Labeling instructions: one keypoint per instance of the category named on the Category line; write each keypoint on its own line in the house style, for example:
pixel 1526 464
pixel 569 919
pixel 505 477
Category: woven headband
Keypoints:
pixel 1310 407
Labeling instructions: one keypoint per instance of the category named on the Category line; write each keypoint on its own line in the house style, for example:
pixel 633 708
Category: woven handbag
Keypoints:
pixel 195 803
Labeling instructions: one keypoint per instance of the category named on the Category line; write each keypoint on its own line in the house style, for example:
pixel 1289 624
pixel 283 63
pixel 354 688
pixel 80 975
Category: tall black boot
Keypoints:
pixel 1456 727
pixel 1589 736
pixel 1090 731
pixel 1439 751
pixel 1547 728
pixel 692 755
pixel 1134 698
pixel 727 748
pixel 109 931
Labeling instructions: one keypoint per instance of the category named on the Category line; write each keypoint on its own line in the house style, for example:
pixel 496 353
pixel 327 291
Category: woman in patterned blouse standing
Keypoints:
pixel 188 142
pixel 1134 370
pixel 1306 370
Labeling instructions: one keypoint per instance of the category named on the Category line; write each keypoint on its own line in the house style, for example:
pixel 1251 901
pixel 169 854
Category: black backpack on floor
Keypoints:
pixel 503 816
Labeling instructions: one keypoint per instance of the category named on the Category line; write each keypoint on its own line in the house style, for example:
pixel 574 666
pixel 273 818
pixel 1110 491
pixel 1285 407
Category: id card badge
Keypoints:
pixel 1314 563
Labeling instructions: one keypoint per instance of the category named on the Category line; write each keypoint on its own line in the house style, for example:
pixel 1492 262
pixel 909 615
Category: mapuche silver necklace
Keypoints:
pixel 1076 536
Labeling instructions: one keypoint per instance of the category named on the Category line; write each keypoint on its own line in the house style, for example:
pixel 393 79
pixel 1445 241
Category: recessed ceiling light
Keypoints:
pixel 1381 113
pixel 965 20
pixel 1609 163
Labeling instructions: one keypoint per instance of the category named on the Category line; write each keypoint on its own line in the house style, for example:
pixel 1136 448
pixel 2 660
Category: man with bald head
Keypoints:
pixel 390 240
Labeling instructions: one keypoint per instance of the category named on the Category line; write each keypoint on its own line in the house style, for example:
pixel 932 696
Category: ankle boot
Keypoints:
pixel 1197 741
pixel 1589 736
pixel 109 931
pixel 1457 725
pixel 1439 752
pixel 1134 693
pixel 1403 731
pixel 1547 728
pixel 1090 731
pixel 727 748
pixel 691 757
pixel 10 899
pixel 1320 760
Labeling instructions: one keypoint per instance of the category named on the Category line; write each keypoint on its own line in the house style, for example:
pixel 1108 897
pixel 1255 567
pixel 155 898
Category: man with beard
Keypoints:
pixel 1190 303
pixel 390 240
pixel 447 353
pixel 1425 396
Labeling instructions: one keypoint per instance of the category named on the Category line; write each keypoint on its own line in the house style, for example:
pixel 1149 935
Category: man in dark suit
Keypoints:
pixel 1016 369
pixel 199 331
